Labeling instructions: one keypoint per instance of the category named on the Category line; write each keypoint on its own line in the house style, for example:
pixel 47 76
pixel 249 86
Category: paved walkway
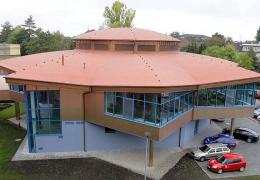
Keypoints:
pixel 21 121
pixel 132 159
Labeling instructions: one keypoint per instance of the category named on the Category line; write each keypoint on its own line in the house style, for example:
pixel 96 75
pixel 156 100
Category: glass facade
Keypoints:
pixel 229 96
pixel 16 88
pixel 44 112
pixel 158 109
pixel 153 109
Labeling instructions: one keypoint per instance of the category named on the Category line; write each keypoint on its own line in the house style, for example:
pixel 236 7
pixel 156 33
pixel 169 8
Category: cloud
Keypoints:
pixel 236 18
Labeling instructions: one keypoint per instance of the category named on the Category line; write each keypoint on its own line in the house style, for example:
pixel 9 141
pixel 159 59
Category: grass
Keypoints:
pixel 186 169
pixel 8 145
pixel 10 112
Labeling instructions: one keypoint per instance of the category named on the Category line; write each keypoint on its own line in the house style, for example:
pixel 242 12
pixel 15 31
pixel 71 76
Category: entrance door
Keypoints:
pixel 196 128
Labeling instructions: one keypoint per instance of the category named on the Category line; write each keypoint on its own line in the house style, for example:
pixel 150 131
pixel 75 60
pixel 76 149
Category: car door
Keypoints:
pixel 211 153
pixel 228 165
pixel 236 164
pixel 218 151
pixel 237 134
pixel 243 135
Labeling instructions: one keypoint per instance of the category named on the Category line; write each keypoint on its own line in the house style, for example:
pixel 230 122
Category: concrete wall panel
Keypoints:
pixel 71 139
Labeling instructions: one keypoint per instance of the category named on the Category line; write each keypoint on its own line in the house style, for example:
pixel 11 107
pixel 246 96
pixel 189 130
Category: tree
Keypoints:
pixel 257 38
pixel 216 40
pixel 118 15
pixel 6 30
pixel 29 25
pixel 255 60
pixel 47 41
pixel 175 34
pixel 229 40
pixel 19 36
pixel 194 48
pixel 245 61
pixel 227 52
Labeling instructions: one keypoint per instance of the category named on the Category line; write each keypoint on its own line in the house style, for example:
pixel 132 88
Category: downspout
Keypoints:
pixel 84 118
pixel 195 100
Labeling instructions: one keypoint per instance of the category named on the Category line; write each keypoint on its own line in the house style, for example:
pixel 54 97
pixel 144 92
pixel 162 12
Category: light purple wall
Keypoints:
pixel 97 139
pixel 72 139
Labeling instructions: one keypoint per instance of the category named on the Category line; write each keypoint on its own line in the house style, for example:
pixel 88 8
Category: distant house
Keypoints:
pixel 9 51
pixel 254 46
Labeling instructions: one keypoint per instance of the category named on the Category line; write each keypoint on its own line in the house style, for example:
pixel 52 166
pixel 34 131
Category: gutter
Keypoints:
pixel 84 118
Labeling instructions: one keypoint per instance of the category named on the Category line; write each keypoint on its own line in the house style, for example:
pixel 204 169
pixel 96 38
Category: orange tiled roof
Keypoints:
pixel 129 34
pixel 126 69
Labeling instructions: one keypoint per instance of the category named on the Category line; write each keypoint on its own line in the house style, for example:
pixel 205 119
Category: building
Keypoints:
pixel 119 86
pixel 255 47
pixel 9 51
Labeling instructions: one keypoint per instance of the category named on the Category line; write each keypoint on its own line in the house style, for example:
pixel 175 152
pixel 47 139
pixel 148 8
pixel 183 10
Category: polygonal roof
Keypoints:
pixel 125 34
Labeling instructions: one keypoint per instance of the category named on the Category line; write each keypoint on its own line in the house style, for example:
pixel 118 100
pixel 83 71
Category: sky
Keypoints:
pixel 238 19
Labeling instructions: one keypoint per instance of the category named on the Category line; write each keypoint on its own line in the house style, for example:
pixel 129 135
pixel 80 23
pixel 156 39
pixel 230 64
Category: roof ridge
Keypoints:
pixel 149 67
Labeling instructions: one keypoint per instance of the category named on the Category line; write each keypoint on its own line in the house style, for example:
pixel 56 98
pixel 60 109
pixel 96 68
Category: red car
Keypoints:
pixel 227 162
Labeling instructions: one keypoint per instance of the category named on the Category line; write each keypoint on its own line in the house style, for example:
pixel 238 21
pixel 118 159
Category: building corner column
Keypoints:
pixel 17 111
pixel 232 126
pixel 151 151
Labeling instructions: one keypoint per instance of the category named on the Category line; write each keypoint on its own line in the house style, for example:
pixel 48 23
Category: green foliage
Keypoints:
pixel 245 61
pixel 10 112
pixel 227 52
pixel 194 48
pixel 46 41
pixel 255 60
pixel 257 38
pixel 216 40
pixel 34 40
pixel 6 30
pixel 175 34
pixel 118 15
pixel 19 36
pixel 8 145
pixel 29 25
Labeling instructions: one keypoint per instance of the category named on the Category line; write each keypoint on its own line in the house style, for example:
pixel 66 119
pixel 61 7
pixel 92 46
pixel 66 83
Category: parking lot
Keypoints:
pixel 250 151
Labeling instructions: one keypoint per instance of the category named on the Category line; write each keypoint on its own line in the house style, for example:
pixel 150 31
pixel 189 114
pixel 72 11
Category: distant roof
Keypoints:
pixel 128 34
pixel 125 69
pixel 251 44
pixel 9 49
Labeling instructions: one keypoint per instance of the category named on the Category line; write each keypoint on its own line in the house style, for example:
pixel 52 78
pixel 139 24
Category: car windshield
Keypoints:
pixel 204 148
pixel 221 159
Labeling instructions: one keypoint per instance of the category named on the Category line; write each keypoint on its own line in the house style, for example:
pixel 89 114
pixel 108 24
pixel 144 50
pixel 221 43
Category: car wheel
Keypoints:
pixel 249 140
pixel 202 159
pixel 242 169
pixel 220 171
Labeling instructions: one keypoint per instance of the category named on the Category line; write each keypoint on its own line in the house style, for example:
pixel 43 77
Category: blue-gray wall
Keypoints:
pixel 71 139
pixel 96 139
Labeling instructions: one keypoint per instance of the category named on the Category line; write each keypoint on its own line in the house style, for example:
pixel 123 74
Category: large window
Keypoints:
pixel 153 109
pixel 239 95
pixel 158 109
pixel 44 112
pixel 16 88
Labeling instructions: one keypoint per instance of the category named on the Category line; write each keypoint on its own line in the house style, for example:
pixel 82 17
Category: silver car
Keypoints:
pixel 208 151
